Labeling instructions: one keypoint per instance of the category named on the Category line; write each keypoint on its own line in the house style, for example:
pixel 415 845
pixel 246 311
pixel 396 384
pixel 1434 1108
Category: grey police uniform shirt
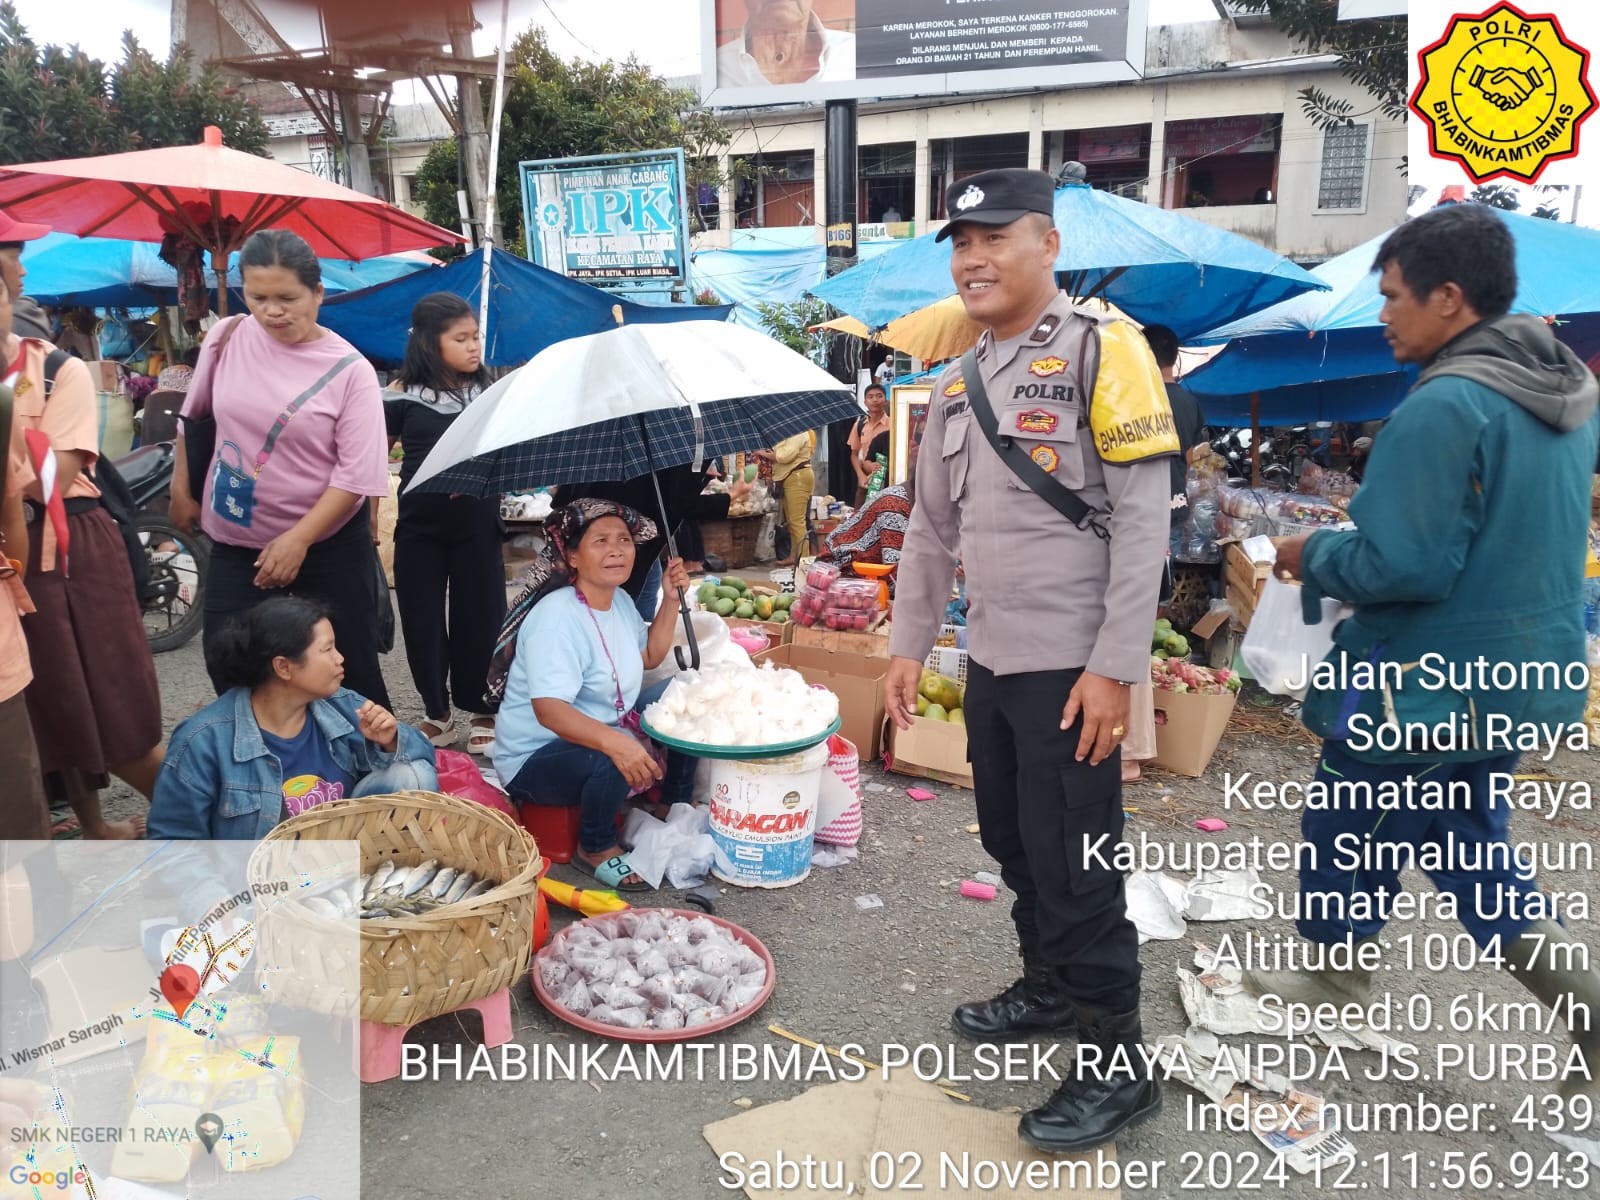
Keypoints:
pixel 1043 594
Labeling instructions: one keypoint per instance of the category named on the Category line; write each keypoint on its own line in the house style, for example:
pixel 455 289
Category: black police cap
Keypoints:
pixel 998 198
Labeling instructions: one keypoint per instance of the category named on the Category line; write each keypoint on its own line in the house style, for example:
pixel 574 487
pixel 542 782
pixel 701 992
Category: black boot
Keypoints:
pixel 1100 1098
pixel 1036 1003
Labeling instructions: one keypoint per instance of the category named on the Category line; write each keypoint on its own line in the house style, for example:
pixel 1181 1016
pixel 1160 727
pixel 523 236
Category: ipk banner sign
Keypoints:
pixel 611 220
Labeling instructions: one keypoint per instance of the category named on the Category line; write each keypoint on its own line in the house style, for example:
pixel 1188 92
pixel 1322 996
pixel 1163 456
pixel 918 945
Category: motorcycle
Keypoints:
pixel 178 558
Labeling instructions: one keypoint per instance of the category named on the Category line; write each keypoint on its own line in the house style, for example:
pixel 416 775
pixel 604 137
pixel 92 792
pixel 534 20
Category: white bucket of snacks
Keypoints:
pixel 764 817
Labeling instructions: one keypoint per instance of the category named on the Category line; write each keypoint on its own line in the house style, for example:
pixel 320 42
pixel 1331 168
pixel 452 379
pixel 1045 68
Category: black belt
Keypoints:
pixel 77 506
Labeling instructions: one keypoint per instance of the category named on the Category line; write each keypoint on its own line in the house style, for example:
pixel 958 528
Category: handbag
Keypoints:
pixel 233 491
pixel 200 432
pixel 1039 481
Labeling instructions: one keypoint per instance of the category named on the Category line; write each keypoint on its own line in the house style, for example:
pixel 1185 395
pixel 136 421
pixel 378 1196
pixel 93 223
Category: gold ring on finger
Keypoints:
pixel 1117 731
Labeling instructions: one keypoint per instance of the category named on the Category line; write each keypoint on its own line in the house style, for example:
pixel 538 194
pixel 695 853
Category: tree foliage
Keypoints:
pixel 1372 55
pixel 57 102
pixel 1509 199
pixel 791 324
pixel 563 109
pixel 1497 195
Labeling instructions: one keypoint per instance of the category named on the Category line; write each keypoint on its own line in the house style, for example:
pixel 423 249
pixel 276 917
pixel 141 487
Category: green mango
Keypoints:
pixel 922 705
pixel 780 616
pixel 958 716
pixel 723 607
pixel 783 600
pixel 727 592
pixel 707 593
pixel 941 690
pixel 734 582
pixel 744 610
pixel 937 712
pixel 1177 645
pixel 1164 625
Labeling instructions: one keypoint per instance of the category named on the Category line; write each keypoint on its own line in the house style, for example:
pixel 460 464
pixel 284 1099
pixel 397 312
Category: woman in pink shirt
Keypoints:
pixel 300 444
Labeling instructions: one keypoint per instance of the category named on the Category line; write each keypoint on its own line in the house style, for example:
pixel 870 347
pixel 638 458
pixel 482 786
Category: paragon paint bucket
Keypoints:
pixel 764 817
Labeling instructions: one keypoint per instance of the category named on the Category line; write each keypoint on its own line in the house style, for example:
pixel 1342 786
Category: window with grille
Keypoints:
pixel 1344 167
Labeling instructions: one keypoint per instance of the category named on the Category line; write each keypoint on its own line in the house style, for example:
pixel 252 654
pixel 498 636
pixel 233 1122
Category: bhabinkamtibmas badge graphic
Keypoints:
pixel 1503 93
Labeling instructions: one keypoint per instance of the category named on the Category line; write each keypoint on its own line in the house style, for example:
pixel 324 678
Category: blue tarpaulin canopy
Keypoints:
pixel 110 273
pixel 1322 356
pixel 1155 265
pixel 529 308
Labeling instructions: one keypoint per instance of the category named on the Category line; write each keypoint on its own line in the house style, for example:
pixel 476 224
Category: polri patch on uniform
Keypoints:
pixel 1046 367
pixel 1046 458
pixel 958 388
pixel 1037 420
pixel 954 409
pixel 24 386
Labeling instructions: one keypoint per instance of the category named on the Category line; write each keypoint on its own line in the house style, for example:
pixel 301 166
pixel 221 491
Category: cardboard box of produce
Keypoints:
pixel 868 645
pixel 1244 578
pixel 929 750
pixel 857 681
pixel 1188 727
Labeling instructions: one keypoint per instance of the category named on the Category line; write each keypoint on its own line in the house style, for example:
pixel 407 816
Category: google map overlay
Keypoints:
pixel 177 1021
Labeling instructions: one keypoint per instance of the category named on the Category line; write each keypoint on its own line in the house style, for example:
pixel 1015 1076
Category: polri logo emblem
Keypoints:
pixel 1046 367
pixel 958 388
pixel 1046 458
pixel 1503 93
pixel 970 198
pixel 1037 421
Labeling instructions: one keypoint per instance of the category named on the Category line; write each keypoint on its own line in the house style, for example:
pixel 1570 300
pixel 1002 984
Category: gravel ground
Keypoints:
pixel 891 976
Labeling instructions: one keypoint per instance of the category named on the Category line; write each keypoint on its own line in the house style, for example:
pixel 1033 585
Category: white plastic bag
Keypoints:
pixel 710 634
pixel 1280 648
pixel 679 849
pixel 766 538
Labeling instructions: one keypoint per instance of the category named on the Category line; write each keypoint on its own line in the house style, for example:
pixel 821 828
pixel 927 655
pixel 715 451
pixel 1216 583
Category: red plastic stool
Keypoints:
pixel 380 1044
pixel 554 828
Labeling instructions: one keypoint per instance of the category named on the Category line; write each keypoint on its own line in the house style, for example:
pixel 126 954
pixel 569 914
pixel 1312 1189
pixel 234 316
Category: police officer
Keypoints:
pixel 1059 627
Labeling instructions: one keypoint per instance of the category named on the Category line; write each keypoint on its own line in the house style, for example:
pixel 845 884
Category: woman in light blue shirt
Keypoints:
pixel 567 733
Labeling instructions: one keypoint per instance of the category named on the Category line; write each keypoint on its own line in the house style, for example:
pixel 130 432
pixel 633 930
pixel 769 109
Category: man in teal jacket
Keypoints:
pixel 1466 645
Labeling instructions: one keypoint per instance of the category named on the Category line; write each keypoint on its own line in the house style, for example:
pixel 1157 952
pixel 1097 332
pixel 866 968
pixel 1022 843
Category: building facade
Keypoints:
pixel 1216 129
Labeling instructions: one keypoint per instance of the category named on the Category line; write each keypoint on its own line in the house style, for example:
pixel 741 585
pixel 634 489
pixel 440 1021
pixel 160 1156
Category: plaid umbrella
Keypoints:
pixel 632 400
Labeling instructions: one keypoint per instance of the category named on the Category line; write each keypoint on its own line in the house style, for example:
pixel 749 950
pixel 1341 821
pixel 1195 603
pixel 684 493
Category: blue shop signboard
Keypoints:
pixel 611 220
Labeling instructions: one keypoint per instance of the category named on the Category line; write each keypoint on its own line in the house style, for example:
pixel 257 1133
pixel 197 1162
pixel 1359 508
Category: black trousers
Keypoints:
pixel 447 557
pixel 341 571
pixel 1036 808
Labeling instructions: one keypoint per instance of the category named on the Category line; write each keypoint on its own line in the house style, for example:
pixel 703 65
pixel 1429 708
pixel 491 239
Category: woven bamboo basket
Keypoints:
pixel 742 551
pixel 414 968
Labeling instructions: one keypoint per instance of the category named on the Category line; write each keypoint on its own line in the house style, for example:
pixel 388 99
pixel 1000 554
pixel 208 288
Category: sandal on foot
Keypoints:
pixel 480 734
pixel 612 872
pixel 441 734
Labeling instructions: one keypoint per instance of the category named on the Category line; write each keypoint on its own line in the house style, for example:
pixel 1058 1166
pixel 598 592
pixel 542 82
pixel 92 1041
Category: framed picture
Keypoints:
pixel 909 419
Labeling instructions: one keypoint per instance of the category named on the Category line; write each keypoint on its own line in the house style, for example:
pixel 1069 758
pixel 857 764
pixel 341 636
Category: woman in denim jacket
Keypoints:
pixel 284 737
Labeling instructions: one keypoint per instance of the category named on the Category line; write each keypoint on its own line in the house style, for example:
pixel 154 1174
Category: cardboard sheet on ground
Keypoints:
pixel 850 1122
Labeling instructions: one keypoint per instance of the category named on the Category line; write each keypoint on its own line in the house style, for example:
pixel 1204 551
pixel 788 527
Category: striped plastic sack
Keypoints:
pixel 839 803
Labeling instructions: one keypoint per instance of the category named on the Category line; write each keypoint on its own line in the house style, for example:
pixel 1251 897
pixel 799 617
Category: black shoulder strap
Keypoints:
pixel 1044 485
pixel 52 367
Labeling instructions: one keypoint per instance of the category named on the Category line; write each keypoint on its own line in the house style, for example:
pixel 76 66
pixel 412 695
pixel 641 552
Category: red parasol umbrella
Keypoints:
pixel 211 198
